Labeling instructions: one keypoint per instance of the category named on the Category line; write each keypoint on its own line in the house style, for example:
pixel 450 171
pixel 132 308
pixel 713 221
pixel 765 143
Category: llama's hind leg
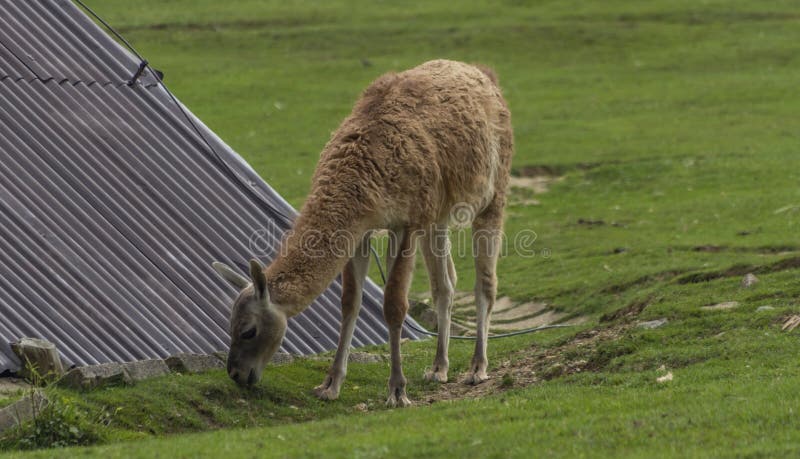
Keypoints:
pixel 395 305
pixel 486 239
pixel 353 277
pixel 436 250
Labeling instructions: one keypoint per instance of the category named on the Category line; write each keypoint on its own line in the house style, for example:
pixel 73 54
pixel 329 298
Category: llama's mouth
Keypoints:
pixel 239 379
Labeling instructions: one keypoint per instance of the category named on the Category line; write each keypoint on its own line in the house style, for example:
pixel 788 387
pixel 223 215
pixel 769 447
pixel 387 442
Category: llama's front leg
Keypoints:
pixel 353 277
pixel 401 266
pixel 397 381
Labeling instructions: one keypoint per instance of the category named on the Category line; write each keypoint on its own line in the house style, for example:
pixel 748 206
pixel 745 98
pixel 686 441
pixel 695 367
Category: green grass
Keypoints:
pixel 671 122
pixel 704 412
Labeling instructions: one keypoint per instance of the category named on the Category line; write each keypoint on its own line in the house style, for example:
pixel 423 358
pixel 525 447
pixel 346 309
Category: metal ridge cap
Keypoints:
pixel 73 82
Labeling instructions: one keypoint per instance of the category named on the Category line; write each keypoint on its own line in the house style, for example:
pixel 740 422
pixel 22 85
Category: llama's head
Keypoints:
pixel 257 327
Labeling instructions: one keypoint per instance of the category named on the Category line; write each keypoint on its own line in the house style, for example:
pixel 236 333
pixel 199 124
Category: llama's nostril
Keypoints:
pixel 234 375
pixel 251 378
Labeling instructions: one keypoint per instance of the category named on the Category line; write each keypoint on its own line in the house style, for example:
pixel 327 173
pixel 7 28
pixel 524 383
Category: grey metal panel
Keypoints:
pixel 112 207
pixel 56 40
pixel 11 67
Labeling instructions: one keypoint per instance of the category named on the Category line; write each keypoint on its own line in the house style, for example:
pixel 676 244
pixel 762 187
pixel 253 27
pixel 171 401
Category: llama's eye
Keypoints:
pixel 249 334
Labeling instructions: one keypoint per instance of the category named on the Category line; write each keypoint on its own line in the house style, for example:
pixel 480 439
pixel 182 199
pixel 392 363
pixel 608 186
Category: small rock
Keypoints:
pixel 721 306
pixel 667 377
pixel 765 308
pixel 193 363
pixel 222 356
pixel 22 410
pixel 282 358
pixel 39 354
pixel 364 357
pixel 361 407
pixel 749 280
pixel 429 319
pixel 650 324
pixel 416 307
pixel 145 369
pixel 93 376
pixel 554 371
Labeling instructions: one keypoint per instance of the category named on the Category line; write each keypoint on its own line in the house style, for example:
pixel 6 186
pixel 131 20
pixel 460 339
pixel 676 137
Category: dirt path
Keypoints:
pixel 534 364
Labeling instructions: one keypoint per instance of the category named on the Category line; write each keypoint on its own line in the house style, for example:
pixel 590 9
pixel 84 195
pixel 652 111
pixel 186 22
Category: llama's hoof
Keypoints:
pixel 397 398
pixel 436 375
pixel 326 393
pixel 327 390
pixel 398 402
pixel 475 378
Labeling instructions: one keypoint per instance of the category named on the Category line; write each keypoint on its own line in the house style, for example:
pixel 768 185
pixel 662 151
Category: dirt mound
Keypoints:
pixel 532 365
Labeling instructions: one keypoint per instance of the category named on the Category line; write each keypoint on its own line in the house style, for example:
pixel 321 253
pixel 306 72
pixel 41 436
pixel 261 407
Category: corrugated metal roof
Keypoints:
pixel 112 207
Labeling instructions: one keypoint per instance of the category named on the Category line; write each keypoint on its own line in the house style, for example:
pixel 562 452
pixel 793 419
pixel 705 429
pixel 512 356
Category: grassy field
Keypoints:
pixel 669 124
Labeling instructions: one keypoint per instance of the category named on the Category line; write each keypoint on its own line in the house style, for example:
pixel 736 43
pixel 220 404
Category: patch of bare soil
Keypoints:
pixel 540 170
pixel 530 181
pixel 538 184
pixel 533 365
pixel 741 270
pixel 720 306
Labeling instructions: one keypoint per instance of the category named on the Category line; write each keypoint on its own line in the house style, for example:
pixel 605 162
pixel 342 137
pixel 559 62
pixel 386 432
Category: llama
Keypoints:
pixel 419 148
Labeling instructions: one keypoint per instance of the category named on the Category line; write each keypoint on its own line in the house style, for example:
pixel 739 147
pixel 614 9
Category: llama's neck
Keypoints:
pixel 324 238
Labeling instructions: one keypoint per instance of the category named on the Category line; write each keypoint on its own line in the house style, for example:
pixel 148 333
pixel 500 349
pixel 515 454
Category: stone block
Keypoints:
pixel 39 354
pixel 282 358
pixel 749 280
pixel 23 410
pixel 651 324
pixel 146 369
pixel 364 357
pixel 93 376
pixel 193 363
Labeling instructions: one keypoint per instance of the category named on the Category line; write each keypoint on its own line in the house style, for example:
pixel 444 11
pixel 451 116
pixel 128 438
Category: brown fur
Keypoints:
pixel 416 144
pixel 419 147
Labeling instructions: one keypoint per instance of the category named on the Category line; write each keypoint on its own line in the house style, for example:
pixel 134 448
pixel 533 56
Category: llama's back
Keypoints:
pixel 438 134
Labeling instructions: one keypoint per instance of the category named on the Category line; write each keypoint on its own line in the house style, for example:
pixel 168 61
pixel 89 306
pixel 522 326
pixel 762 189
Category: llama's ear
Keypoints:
pixel 230 275
pixel 259 279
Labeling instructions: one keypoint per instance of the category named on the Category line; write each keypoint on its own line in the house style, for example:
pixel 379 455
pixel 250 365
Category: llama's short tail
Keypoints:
pixel 489 73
